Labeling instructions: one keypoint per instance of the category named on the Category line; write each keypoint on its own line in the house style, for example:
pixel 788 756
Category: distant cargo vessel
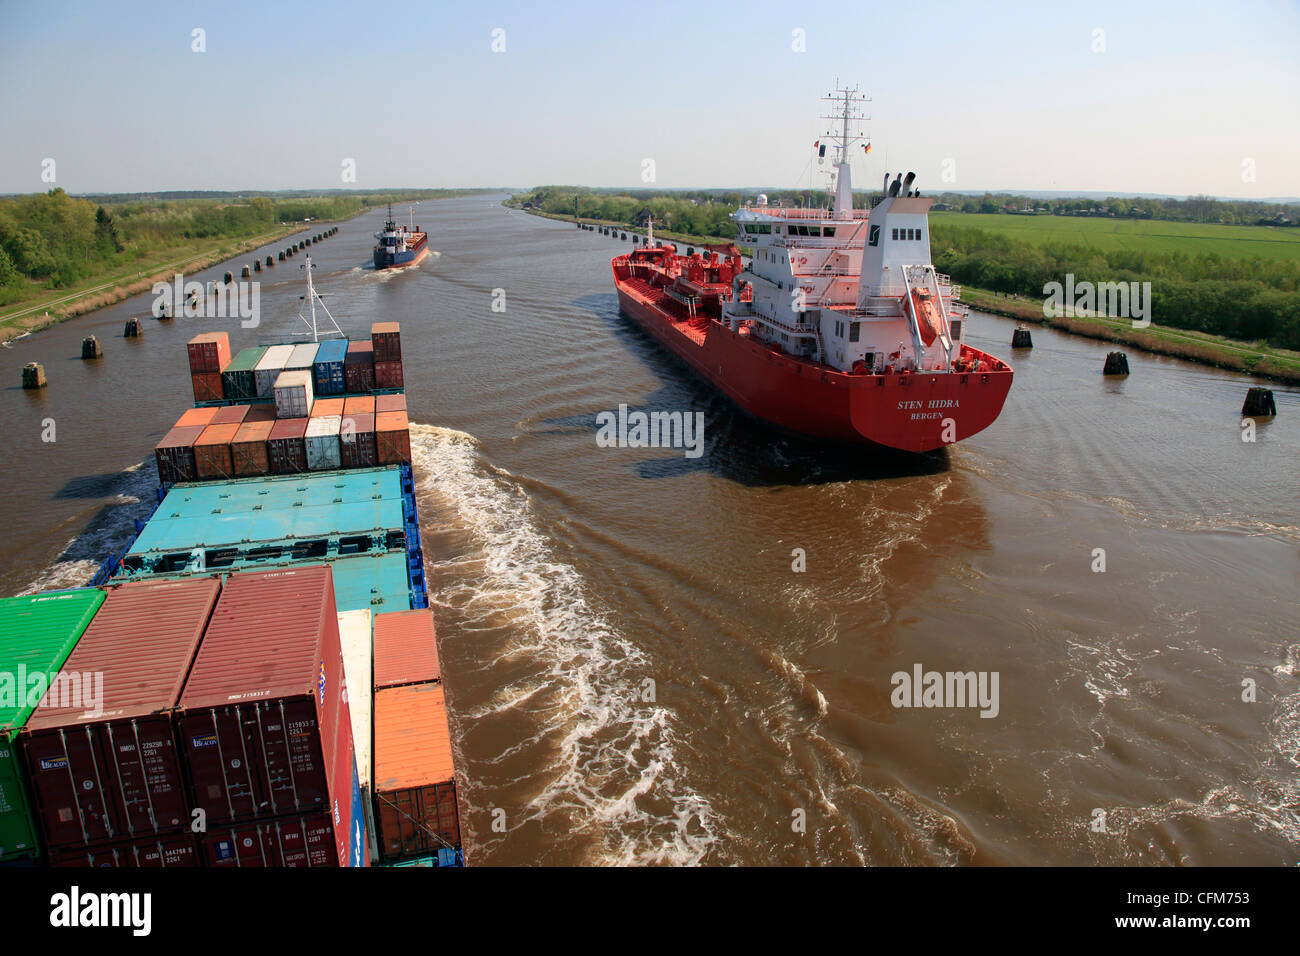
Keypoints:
pixel 398 245
pixel 839 328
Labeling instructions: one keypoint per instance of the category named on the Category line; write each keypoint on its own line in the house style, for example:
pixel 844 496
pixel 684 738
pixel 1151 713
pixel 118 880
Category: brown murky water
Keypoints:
pixel 636 671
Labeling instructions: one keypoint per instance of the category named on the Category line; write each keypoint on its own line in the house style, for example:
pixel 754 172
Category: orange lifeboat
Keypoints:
pixel 927 316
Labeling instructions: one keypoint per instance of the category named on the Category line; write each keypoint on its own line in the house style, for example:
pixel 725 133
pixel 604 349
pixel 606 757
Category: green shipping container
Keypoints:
pixel 237 381
pixel 37 633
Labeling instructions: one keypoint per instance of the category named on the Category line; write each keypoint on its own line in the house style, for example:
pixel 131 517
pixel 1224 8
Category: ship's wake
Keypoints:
pixel 123 497
pixel 554 681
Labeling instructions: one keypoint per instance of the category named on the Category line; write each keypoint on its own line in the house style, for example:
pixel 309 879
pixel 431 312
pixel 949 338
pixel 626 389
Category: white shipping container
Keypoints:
pixel 356 629
pixel 293 397
pixel 355 636
pixel 302 357
pixel 323 453
pixel 268 369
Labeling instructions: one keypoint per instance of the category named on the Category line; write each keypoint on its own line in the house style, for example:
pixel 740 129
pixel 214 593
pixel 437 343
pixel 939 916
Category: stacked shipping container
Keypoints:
pixel 101 756
pixel 414 778
pixel 209 355
pixel 350 431
pixel 268 686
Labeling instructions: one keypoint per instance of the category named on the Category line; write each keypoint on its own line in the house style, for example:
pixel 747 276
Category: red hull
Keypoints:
pixel 904 411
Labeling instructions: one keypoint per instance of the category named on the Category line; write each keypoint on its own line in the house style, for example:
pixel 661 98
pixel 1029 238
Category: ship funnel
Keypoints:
pixel 896 185
pixel 907 184
pixel 884 190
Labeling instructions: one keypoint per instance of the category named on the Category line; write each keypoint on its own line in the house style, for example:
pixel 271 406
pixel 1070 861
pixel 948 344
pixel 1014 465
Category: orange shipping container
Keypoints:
pixel 248 450
pixel 325 407
pixel 207 386
pixel 212 452
pixel 390 403
pixel 405 648
pixel 392 438
pixel 209 352
pixel 201 417
pixel 359 405
pixel 415 786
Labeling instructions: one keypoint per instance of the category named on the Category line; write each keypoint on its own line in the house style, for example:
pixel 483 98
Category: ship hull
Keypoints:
pixel 384 260
pixel 913 413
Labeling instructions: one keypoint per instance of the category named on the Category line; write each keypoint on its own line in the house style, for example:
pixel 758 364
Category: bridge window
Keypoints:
pixel 894 234
pixel 855 330
pixel 828 231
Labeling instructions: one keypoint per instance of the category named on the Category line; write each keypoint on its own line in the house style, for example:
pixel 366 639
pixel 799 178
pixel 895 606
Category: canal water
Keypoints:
pixel 654 658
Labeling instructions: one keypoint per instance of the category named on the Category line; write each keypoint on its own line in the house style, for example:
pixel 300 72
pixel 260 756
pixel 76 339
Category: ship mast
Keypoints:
pixel 312 296
pixel 848 114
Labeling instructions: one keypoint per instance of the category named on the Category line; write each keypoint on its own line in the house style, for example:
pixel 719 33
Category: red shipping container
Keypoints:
pixel 209 352
pixel 196 416
pixel 110 771
pixel 324 407
pixel 175 454
pixel 264 724
pixel 230 415
pixel 168 850
pixel 248 452
pixel 207 386
pixel 390 403
pixel 212 452
pixel 415 787
pixel 357 448
pixel 359 405
pixel 392 438
pixel 261 412
pixel 388 375
pixel 386 340
pixel 287 446
pixel 405 648
pixel 295 841
pixel 359 368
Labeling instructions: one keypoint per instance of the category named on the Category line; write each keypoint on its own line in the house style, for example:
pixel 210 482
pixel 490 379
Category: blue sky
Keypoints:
pixel 1184 97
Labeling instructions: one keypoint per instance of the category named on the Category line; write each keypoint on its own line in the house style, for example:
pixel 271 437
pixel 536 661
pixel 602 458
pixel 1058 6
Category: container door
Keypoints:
pixel 216 753
pixel 150 795
pixel 285 741
pixel 69 778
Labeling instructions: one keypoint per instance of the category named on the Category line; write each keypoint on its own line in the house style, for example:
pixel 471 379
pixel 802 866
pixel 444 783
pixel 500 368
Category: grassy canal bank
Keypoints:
pixel 1280 365
pixel 98 292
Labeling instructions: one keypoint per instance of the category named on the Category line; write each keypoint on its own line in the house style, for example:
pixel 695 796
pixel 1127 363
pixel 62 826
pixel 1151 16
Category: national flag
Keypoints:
pixel 866 148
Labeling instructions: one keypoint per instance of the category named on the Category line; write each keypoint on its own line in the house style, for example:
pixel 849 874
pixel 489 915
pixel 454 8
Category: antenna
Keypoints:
pixel 848 114
pixel 312 297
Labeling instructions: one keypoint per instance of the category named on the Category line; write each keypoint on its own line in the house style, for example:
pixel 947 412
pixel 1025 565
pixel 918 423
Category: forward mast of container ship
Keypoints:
pixel 399 245
pixel 838 328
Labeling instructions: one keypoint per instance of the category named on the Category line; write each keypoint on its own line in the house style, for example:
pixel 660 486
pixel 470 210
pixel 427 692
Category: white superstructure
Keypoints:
pixel 844 286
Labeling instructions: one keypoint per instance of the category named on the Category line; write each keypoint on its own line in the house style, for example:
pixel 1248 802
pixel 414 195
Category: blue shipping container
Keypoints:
pixel 327 370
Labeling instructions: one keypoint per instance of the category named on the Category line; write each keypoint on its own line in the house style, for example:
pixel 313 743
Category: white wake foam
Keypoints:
pixel 609 753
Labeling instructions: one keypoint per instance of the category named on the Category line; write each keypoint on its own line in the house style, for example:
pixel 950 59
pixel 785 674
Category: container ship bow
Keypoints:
pixel 399 245
pixel 839 328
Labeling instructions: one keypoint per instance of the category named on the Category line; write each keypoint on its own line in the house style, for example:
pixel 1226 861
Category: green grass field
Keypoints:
pixel 1239 242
